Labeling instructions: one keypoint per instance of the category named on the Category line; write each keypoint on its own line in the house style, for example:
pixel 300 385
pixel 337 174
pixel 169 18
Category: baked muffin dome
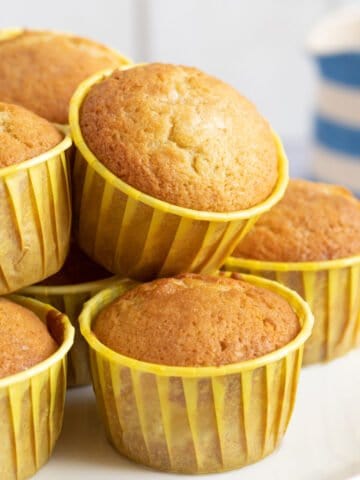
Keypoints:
pixel 181 136
pixel 313 222
pixel 24 339
pixel 195 320
pixel 24 135
pixel 40 70
pixel 78 268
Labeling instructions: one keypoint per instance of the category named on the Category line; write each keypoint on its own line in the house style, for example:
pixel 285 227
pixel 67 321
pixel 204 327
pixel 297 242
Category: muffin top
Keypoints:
pixel 78 268
pixel 24 339
pixel 195 320
pixel 313 222
pixel 24 135
pixel 40 70
pixel 181 136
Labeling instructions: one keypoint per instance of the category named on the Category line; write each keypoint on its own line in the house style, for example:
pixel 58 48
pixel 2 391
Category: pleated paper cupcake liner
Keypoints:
pixel 8 33
pixel 331 288
pixel 138 236
pixel 70 300
pixel 196 420
pixel 35 213
pixel 32 402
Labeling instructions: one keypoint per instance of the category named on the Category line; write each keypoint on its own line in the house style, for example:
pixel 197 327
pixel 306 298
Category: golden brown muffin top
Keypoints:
pixel 78 268
pixel 24 135
pixel 40 70
pixel 195 320
pixel 313 222
pixel 24 339
pixel 181 136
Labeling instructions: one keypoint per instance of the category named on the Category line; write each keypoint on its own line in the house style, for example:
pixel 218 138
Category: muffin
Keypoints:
pixel 24 339
pixel 312 223
pixel 197 321
pixel 310 241
pixel 181 136
pixel 40 70
pixel 35 339
pixel 24 135
pixel 181 142
pixel 67 290
pixel 35 208
pixel 162 359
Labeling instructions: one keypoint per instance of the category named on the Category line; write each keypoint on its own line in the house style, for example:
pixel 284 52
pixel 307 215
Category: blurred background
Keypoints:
pixel 256 45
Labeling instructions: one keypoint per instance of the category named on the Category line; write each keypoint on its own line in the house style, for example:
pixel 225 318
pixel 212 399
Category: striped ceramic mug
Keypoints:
pixel 335 45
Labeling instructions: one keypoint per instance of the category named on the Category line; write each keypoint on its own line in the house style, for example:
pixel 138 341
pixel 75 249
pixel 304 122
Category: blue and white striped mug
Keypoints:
pixel 335 45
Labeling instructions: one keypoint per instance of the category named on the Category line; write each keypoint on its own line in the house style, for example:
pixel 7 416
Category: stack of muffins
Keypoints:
pixel 38 73
pixel 194 369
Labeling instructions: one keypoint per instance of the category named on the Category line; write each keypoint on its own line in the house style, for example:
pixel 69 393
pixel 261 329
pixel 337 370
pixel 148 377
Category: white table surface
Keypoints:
pixel 322 442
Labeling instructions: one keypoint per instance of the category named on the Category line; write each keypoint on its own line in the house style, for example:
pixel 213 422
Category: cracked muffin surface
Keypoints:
pixel 181 136
pixel 196 320
pixel 24 135
pixel 313 222
pixel 40 70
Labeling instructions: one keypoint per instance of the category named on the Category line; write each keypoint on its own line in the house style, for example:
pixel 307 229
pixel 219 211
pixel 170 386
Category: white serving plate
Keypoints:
pixel 322 443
